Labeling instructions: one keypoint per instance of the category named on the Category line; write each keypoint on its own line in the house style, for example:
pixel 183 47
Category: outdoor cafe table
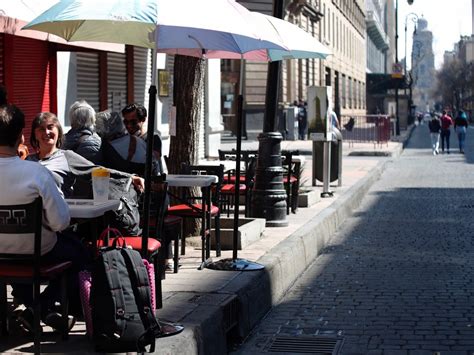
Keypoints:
pixel 204 182
pixel 85 208
pixel 88 209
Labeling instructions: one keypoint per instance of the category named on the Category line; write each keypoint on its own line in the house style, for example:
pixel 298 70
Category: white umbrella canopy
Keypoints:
pixel 186 27
pixel 297 43
pixel 201 28
pixel 191 27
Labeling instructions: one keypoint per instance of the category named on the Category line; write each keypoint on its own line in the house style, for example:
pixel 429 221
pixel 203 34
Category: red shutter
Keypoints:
pixel 2 75
pixel 30 82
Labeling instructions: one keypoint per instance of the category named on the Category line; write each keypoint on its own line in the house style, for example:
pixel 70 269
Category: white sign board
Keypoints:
pixel 319 108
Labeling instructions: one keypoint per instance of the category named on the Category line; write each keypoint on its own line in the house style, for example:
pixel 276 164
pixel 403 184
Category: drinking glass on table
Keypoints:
pixel 100 184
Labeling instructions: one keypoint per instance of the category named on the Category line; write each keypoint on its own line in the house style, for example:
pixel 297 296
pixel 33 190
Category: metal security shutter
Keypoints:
pixel 2 75
pixel 30 89
pixel 116 81
pixel 88 78
pixel 142 69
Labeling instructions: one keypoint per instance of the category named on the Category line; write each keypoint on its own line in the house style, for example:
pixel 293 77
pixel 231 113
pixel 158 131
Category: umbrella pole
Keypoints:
pixel 236 264
pixel 149 155
pixel 165 328
pixel 240 112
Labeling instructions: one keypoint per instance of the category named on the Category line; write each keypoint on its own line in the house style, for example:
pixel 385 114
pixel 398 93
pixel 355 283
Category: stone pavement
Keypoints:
pixel 216 305
pixel 397 277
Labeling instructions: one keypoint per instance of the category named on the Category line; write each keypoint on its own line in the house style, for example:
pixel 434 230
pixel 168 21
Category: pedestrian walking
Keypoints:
pixel 435 130
pixel 460 126
pixel 446 123
pixel 302 120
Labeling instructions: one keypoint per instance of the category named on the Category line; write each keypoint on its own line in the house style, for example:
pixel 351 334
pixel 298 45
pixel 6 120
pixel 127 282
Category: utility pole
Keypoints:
pixel 397 127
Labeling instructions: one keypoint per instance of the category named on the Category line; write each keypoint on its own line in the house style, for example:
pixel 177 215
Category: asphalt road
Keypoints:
pixel 398 277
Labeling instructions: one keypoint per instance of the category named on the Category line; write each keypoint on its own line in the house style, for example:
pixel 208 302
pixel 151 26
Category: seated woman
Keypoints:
pixel 72 172
pixel 120 150
pixel 82 138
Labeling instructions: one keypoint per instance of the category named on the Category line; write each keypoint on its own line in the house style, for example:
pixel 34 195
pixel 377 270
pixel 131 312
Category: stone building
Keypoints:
pixel 343 30
pixel 423 67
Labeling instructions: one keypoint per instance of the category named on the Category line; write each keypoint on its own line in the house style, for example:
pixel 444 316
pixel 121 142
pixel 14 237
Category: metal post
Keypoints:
pixel 313 176
pixel 269 195
pixel 397 128
pixel 326 168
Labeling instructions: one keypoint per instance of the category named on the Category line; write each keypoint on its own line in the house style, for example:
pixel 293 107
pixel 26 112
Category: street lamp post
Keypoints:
pixel 397 127
pixel 414 18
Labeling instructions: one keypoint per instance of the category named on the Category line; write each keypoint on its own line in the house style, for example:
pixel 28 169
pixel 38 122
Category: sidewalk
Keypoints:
pixel 216 305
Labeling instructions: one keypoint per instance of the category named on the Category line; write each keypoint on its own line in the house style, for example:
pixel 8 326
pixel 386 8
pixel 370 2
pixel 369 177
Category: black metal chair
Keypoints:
pixel 191 209
pixel 25 221
pixel 291 180
pixel 247 177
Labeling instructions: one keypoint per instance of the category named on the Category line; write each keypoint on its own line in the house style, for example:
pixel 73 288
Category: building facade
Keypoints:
pixel 423 67
pixel 378 41
pixel 343 30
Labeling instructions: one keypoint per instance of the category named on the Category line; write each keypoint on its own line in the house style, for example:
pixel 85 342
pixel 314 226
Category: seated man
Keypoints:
pixel 120 150
pixel 134 118
pixel 21 182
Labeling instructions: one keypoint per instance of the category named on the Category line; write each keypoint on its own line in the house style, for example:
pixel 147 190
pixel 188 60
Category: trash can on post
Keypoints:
pixel 336 159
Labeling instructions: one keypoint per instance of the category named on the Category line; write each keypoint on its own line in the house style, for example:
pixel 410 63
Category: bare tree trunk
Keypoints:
pixel 188 86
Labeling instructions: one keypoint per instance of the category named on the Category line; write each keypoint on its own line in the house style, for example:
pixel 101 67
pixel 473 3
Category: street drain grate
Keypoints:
pixel 316 344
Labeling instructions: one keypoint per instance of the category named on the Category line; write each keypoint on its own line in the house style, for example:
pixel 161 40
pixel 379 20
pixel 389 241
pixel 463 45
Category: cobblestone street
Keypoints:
pixel 397 278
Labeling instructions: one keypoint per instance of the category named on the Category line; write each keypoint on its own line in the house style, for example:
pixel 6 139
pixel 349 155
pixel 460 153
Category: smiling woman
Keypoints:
pixel 47 134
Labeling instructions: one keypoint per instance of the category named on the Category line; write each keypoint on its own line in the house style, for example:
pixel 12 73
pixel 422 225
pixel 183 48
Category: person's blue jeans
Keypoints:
pixel 461 131
pixel 67 248
pixel 445 133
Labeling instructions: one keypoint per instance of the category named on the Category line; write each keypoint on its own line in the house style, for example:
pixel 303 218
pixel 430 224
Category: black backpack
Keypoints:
pixel 127 217
pixel 122 316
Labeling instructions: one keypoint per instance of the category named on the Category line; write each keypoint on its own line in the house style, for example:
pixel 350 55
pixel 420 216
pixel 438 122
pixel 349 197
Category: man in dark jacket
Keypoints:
pixel 435 129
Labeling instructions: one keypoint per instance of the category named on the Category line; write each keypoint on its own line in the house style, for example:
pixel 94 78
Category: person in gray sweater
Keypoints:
pixel 72 172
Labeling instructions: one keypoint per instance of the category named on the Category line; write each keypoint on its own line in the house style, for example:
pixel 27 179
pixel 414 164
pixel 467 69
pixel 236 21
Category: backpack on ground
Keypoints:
pixel 120 298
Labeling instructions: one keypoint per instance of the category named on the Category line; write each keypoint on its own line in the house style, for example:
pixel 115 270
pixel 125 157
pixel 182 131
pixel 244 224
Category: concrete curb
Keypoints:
pixel 258 292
